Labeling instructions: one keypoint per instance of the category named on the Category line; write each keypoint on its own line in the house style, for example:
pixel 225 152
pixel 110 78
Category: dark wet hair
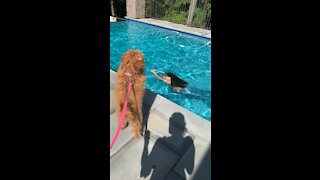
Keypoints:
pixel 175 81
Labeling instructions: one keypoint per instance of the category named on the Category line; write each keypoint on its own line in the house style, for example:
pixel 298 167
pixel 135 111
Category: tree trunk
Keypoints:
pixel 171 8
pixel 205 3
pixel 192 9
pixel 112 8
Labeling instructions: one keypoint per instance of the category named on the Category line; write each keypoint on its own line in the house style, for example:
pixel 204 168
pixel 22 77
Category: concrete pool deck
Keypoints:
pixel 178 27
pixel 179 146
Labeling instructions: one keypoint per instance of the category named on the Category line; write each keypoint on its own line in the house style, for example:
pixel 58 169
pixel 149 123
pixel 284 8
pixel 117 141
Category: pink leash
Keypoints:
pixel 123 114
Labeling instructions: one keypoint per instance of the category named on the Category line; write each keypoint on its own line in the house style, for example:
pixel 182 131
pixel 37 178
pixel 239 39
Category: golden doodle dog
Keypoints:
pixel 131 69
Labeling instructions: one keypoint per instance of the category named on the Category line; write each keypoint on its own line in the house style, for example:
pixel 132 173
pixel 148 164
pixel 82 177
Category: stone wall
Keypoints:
pixel 136 9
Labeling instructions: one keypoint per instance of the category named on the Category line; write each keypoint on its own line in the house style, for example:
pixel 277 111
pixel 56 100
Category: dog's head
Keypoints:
pixel 133 61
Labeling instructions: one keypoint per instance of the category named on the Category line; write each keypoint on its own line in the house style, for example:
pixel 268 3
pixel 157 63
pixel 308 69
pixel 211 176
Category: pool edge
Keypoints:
pixel 156 107
pixel 171 29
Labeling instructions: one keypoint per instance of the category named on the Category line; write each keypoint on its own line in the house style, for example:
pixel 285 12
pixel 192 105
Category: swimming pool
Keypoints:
pixel 189 57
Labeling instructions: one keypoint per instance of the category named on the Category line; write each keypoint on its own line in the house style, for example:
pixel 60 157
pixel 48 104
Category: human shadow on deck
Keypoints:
pixel 170 155
pixel 148 100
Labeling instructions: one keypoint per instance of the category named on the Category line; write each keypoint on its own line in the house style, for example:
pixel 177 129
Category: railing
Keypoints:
pixel 195 13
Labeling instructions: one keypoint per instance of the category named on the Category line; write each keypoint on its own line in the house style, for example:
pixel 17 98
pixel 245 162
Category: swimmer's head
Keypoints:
pixel 175 81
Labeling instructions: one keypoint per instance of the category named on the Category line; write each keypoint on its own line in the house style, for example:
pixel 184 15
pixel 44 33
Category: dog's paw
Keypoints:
pixel 124 125
pixel 137 135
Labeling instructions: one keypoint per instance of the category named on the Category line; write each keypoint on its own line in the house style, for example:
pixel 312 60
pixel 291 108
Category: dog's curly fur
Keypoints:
pixel 132 62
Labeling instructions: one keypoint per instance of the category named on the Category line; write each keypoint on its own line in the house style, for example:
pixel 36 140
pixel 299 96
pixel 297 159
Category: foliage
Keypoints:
pixel 179 17
pixel 176 11
pixel 202 17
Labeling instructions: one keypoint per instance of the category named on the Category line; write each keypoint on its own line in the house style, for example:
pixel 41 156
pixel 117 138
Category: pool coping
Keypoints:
pixel 168 27
pixel 163 107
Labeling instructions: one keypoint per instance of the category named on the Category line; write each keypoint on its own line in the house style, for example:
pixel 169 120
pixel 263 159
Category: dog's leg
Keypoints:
pixel 134 123
pixel 136 129
pixel 140 107
pixel 138 110
pixel 118 114
pixel 125 124
pixel 140 116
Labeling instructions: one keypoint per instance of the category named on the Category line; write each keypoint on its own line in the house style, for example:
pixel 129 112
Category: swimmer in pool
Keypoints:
pixel 172 80
pixel 181 86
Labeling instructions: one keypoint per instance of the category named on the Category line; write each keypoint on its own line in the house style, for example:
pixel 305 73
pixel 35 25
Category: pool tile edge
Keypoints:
pixel 199 34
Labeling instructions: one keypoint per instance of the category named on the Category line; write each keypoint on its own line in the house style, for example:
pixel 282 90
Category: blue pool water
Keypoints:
pixel 189 57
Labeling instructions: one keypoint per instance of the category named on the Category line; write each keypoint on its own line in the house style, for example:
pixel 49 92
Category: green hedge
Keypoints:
pixel 176 11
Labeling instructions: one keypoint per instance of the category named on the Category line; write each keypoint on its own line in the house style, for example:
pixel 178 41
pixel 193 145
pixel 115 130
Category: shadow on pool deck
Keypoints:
pixel 155 160
pixel 148 100
pixel 204 170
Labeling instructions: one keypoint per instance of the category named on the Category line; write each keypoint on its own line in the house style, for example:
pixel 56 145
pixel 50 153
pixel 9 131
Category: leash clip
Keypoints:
pixel 130 76
pixel 131 80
